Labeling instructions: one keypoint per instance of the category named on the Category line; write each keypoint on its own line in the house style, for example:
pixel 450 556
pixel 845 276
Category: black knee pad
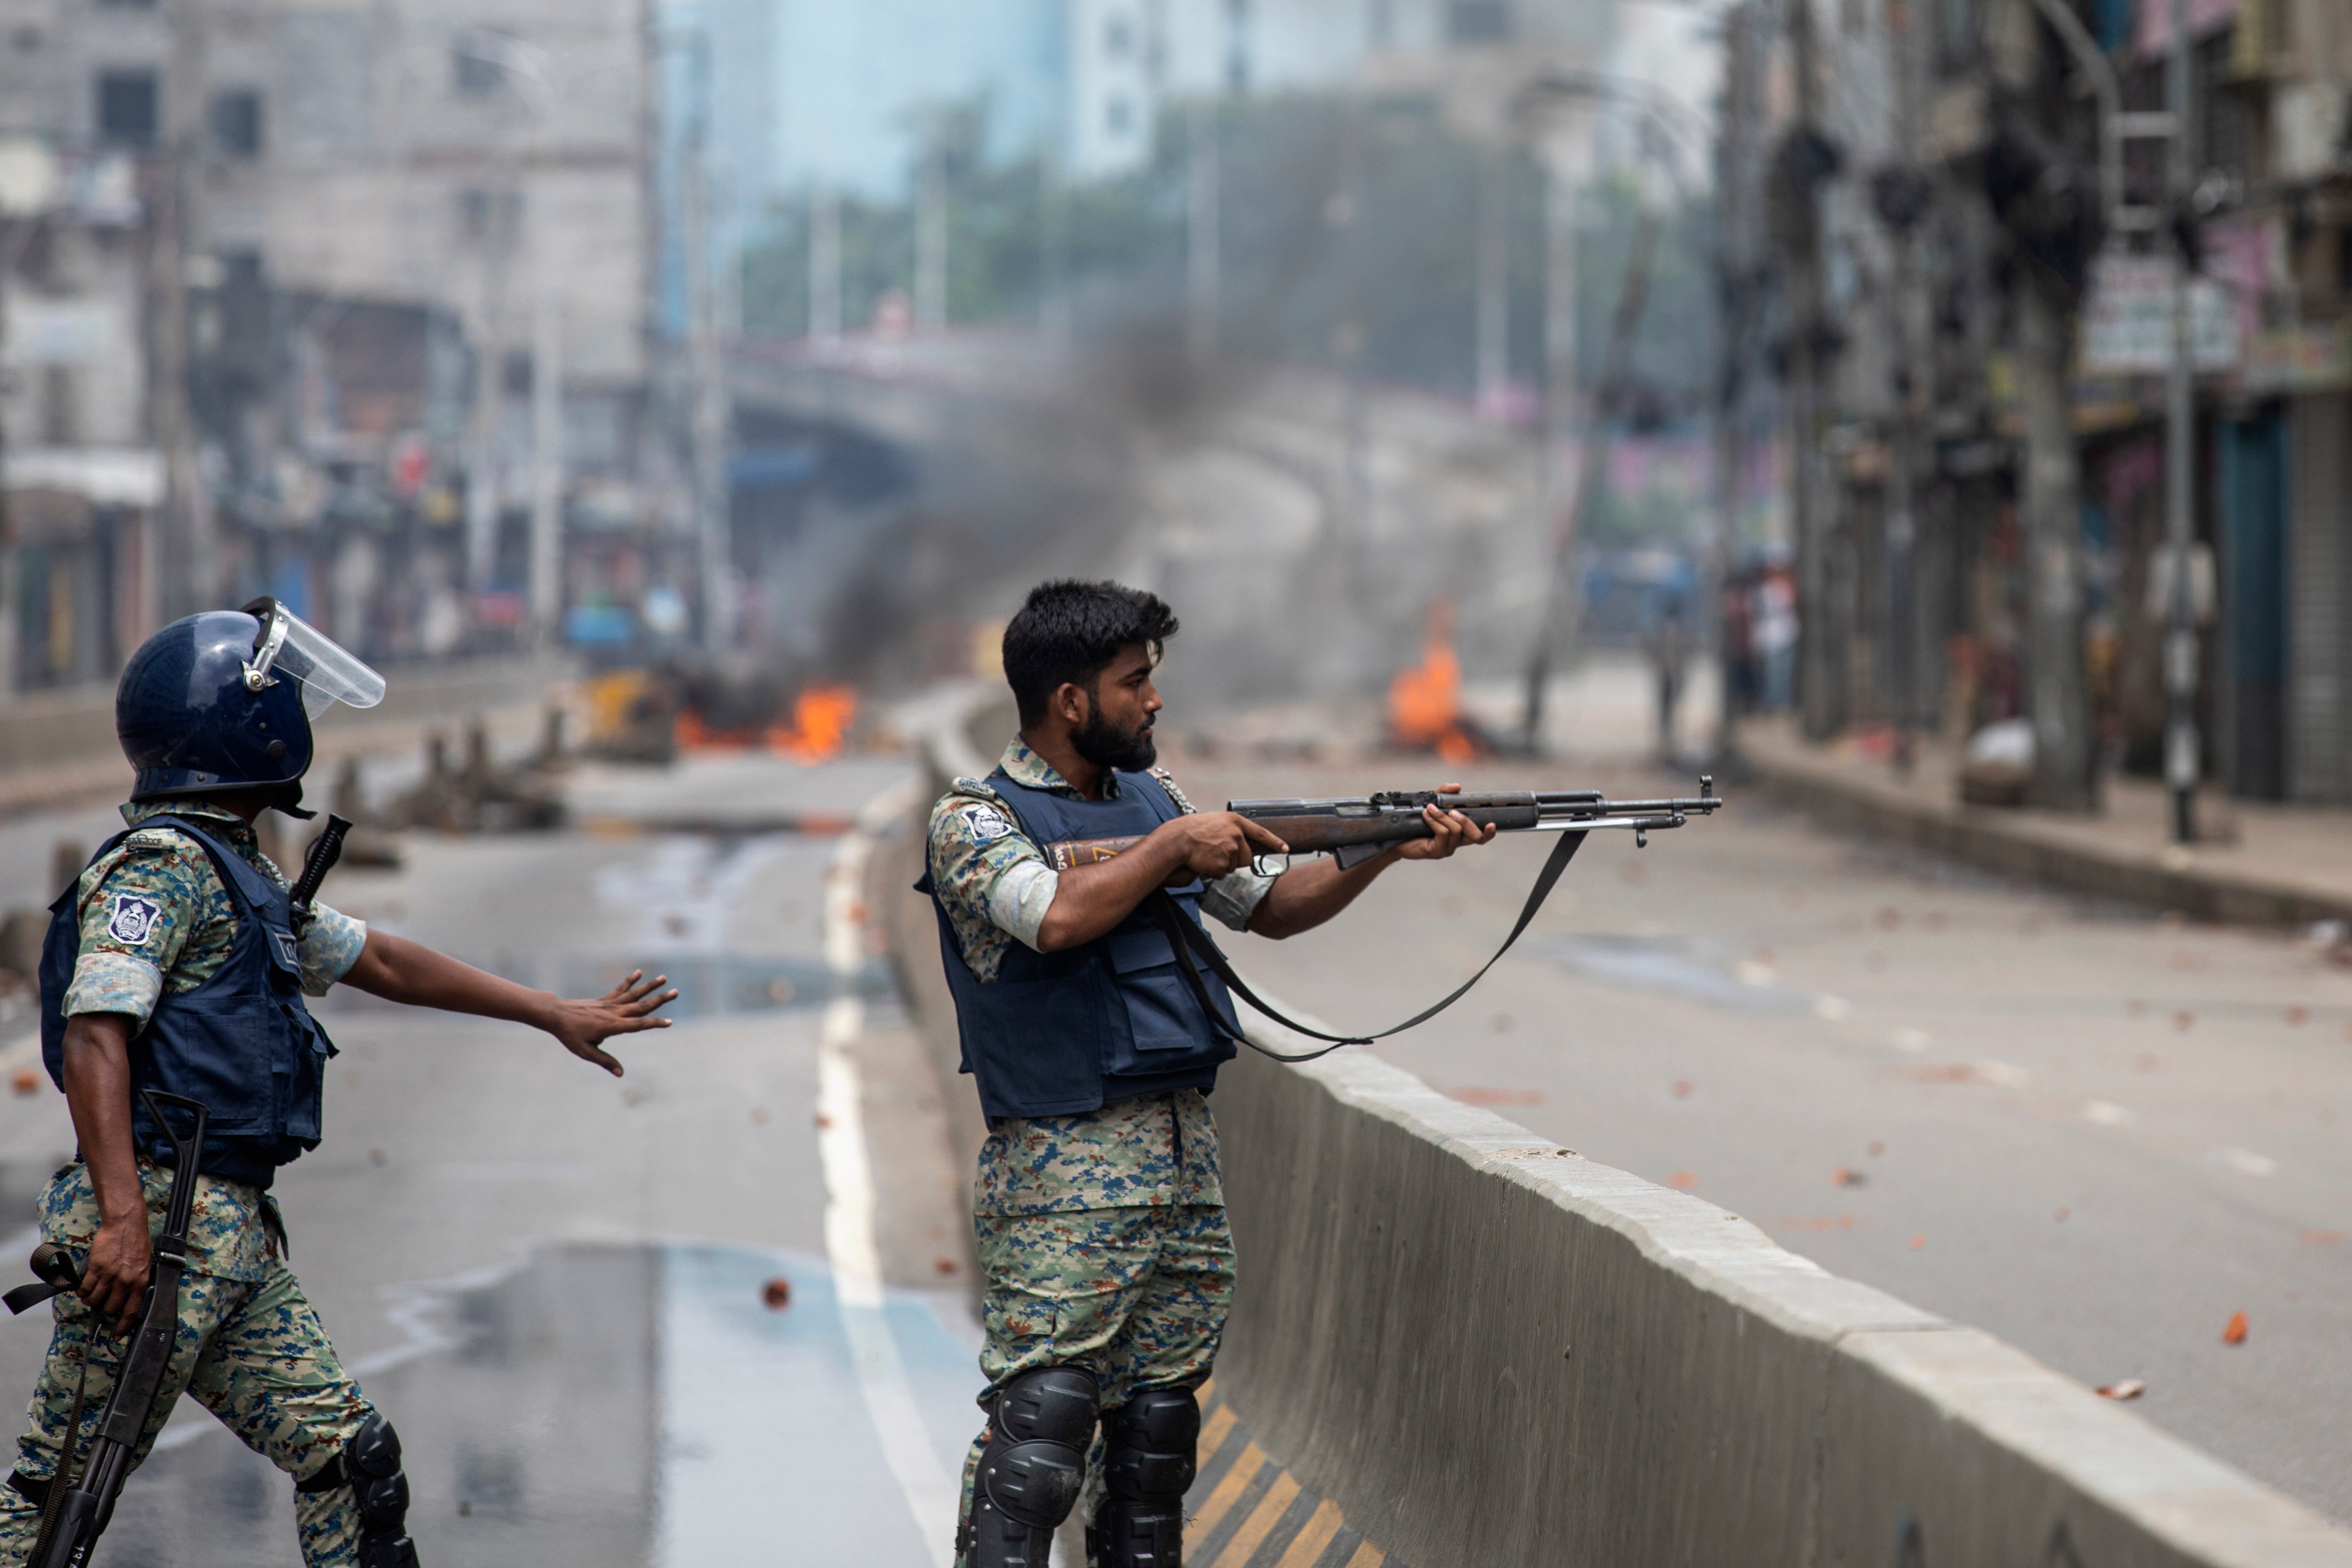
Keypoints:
pixel 1149 1446
pixel 370 1466
pixel 1032 1468
pixel 1148 1443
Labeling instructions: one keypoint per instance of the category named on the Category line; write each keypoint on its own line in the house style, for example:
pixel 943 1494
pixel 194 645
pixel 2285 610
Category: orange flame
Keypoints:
pixel 822 716
pixel 1425 702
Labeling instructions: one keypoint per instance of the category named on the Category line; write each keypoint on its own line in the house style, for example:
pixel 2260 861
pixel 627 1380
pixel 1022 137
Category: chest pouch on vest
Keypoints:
pixel 1163 1015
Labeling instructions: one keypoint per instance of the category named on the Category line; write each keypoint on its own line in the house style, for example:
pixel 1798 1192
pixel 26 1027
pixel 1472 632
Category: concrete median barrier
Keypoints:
pixel 1487 1350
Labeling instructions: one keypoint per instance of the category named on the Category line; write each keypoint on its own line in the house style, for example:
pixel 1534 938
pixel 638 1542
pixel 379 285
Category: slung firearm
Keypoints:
pixel 1354 830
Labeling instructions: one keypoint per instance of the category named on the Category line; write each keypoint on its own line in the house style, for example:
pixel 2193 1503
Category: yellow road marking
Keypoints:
pixel 1229 1490
pixel 1213 1434
pixel 1368 1556
pixel 1314 1536
pixel 1259 1524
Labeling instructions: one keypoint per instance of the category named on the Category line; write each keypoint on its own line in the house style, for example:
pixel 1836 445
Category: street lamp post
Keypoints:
pixel 2180 743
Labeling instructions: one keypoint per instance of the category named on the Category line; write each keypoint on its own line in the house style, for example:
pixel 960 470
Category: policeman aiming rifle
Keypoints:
pixel 1094 1010
pixel 175 980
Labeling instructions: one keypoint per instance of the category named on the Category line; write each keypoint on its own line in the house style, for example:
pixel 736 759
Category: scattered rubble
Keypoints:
pixel 482 797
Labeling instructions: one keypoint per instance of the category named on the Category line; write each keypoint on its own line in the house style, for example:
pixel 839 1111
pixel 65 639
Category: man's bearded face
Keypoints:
pixel 1106 745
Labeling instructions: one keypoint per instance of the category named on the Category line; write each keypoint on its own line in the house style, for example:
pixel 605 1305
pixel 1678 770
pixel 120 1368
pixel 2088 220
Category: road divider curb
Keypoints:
pixel 1487 1349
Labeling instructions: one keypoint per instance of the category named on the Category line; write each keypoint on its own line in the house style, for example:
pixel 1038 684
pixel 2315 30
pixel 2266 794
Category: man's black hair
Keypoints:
pixel 1069 630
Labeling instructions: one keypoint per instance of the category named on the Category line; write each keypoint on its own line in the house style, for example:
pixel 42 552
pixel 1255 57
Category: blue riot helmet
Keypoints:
pixel 223 701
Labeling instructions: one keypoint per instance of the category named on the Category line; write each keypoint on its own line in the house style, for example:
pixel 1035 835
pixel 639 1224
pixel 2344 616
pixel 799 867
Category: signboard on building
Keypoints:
pixel 2127 320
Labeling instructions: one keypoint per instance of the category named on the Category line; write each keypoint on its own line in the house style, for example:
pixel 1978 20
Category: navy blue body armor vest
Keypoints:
pixel 1059 1032
pixel 242 1042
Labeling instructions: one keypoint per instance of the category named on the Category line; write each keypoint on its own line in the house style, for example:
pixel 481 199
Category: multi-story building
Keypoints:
pixel 360 290
pixel 2271 155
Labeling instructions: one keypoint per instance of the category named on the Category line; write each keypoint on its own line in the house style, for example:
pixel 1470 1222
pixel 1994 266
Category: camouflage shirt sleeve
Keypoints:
pixel 993 880
pixel 330 948
pixel 138 906
pixel 1232 898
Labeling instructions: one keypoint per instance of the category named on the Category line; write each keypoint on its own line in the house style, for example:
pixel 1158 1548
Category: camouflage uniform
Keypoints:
pixel 1101 1236
pixel 155 918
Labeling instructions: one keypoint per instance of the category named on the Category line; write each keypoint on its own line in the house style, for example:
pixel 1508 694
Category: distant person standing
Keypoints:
pixel 1740 679
pixel 1099 1211
pixel 1776 635
pixel 1670 657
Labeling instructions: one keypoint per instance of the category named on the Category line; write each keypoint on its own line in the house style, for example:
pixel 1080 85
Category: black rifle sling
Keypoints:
pixel 1188 939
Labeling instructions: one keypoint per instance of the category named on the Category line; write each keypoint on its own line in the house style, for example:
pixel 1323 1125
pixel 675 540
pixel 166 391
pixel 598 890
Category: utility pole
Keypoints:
pixel 1053 250
pixel 1203 260
pixel 186 572
pixel 931 234
pixel 2180 742
pixel 1904 197
pixel 1805 159
pixel 1492 248
pixel 1591 470
pixel 1735 169
pixel 1343 214
pixel 825 262
pixel 546 426
pixel 2046 298
pixel 709 373
pixel 1556 508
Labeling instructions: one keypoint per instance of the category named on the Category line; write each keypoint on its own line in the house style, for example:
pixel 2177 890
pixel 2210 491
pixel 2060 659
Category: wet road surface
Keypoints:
pixel 2093 1132
pixel 556 1284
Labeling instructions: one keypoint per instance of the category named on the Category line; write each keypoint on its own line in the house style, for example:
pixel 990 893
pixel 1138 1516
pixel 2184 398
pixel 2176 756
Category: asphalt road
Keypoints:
pixel 2093 1132
pixel 557 1284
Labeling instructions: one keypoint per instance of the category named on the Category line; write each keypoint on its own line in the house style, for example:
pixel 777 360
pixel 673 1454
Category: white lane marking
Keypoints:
pixel 1912 1041
pixel 2001 1075
pixel 1832 1008
pixel 2108 1113
pixel 2246 1162
pixel 1753 972
pixel 849 1244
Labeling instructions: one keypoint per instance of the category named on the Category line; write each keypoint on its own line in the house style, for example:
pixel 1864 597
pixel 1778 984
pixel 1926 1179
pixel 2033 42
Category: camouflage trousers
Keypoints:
pixel 252 1353
pixel 1136 1296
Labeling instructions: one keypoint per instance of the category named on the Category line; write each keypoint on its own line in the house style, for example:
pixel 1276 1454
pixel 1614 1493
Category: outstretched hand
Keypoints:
pixel 1449 831
pixel 627 1009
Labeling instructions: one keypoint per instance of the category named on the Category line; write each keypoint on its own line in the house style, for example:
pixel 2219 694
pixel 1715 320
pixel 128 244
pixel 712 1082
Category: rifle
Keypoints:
pixel 75 1515
pixel 317 861
pixel 1352 831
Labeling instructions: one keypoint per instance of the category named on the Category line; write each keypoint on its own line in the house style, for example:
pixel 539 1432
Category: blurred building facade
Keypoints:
pixel 1925 208
pixel 344 304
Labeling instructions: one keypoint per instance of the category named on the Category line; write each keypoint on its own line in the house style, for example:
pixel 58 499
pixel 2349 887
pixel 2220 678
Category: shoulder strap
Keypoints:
pixel 1188 939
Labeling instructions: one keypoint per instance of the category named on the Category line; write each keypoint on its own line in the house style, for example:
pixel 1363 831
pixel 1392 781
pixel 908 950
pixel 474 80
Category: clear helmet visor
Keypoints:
pixel 291 649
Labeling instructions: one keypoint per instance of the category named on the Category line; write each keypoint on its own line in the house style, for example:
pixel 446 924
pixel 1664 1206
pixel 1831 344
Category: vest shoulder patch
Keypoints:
pixel 155 838
pixel 132 919
pixel 987 823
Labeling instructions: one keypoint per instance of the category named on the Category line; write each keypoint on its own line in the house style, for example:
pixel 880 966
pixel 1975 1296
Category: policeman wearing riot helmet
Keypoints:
pixel 1098 1209
pixel 176 964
